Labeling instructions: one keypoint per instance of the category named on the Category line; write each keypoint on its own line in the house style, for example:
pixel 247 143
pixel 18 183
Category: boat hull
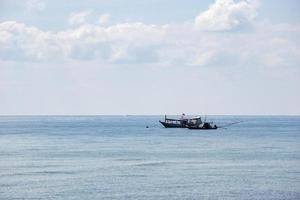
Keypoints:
pixel 172 125
pixel 202 128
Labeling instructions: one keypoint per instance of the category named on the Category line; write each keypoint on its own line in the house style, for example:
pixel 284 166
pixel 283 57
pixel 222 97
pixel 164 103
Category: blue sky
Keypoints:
pixel 149 57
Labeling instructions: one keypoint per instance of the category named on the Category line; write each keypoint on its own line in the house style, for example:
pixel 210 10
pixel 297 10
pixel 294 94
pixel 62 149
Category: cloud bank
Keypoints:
pixel 210 41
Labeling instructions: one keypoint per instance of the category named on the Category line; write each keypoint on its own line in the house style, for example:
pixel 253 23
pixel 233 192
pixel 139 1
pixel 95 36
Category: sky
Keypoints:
pixel 138 57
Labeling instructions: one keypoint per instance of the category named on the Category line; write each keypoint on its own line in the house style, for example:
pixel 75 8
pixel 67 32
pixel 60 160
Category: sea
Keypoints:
pixel 118 157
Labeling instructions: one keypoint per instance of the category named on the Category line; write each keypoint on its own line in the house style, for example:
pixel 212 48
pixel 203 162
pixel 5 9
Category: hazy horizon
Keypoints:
pixel 149 115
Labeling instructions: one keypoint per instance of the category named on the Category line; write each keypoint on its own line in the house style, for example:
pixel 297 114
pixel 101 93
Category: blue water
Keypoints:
pixel 116 157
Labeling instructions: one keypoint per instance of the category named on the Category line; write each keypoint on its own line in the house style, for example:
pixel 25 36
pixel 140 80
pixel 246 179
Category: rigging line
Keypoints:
pixel 226 125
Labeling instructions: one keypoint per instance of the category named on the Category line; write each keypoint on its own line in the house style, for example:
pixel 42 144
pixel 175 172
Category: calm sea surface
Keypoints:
pixel 116 157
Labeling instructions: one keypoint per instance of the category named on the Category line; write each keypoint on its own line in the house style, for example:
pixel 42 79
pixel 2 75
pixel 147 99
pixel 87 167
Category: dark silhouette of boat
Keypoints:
pixel 208 125
pixel 203 126
pixel 174 123
pixel 192 123
pixel 180 123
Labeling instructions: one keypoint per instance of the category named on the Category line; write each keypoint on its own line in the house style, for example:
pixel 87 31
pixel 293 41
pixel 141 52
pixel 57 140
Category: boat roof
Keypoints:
pixel 169 119
pixel 195 118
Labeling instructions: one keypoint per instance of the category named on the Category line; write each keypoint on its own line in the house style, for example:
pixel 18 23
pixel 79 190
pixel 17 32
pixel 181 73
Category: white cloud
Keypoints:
pixel 21 42
pixel 79 17
pixel 118 53
pixel 203 58
pixel 226 15
pixel 104 19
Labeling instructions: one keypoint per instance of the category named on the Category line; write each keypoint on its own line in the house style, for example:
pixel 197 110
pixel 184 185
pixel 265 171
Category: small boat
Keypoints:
pixel 203 126
pixel 174 123
pixel 193 123
pixel 179 123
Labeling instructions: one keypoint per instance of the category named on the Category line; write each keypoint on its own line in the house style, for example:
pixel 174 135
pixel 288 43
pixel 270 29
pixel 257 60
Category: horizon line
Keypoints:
pixel 11 115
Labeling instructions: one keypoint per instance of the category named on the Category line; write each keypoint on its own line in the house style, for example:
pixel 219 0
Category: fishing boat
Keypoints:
pixel 174 123
pixel 192 123
pixel 203 126
pixel 209 125
pixel 179 123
